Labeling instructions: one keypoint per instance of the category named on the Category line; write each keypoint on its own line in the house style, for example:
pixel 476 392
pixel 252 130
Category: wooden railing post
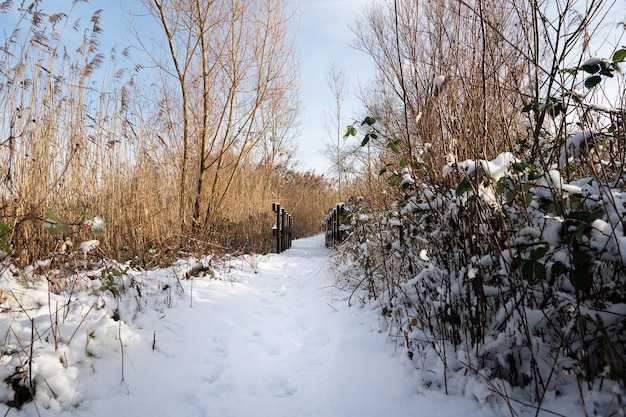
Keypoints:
pixel 289 230
pixel 334 234
pixel 276 229
pixel 282 229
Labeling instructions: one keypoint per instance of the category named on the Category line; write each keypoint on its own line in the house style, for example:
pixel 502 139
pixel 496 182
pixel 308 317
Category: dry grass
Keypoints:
pixel 84 135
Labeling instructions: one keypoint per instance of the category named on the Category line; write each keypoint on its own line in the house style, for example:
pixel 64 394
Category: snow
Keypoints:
pixel 96 224
pixel 577 145
pixel 438 83
pixel 594 61
pixel 88 245
pixel 272 337
pixel 498 168
pixel 494 169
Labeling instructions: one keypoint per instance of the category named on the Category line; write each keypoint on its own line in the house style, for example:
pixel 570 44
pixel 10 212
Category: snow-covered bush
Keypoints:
pixel 501 258
pixel 515 274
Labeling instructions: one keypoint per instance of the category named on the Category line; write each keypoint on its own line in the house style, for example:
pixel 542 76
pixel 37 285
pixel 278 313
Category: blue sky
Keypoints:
pixel 324 37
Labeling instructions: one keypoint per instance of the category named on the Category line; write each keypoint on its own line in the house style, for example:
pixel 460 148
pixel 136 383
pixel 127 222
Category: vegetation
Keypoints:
pixel 499 256
pixel 180 150
pixel 487 218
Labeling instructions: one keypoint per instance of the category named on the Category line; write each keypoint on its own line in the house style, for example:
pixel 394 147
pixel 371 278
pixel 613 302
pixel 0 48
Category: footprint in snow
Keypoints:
pixel 280 387
pixel 213 374
pixel 281 291
pixel 219 347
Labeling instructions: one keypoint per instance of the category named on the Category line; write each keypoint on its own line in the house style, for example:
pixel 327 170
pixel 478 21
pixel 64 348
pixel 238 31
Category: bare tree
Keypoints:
pixel 234 58
pixel 338 83
pixel 444 86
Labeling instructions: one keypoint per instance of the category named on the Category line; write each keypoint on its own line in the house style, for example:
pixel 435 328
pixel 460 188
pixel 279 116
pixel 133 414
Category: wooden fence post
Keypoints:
pixel 276 228
pixel 282 229
pixel 334 232
pixel 289 230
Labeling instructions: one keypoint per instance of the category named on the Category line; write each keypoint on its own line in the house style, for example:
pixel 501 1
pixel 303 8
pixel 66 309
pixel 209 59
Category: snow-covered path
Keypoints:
pixel 278 341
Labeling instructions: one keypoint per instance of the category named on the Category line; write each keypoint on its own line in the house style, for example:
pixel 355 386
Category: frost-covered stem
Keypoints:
pixel 80 324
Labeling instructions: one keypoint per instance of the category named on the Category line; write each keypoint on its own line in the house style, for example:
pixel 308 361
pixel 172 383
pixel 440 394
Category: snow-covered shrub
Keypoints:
pixel 515 273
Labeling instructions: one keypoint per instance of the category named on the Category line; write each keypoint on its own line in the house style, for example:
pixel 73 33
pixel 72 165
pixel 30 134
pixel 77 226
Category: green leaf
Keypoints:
pixel 581 259
pixel 579 233
pixel 350 131
pixel 4 228
pixel 528 198
pixel 5 233
pixel 558 268
pixel 463 187
pixel 5 246
pixel 78 210
pixel 586 217
pixel 403 162
pixel 520 167
pixel 619 55
pixel 382 171
pixel 595 215
pixel 590 69
pixel 540 271
pixel 395 179
pixel 580 278
pixel 607 72
pixel 368 121
pixel 366 139
pixel 534 175
pixel 53 224
pixel 528 269
pixel 393 146
pixel 538 253
pixel 593 81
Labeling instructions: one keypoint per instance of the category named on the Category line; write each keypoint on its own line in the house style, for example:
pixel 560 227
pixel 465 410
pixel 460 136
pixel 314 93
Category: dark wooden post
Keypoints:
pixel 334 234
pixel 276 230
pixel 288 224
pixel 326 237
pixel 339 225
pixel 336 225
pixel 282 230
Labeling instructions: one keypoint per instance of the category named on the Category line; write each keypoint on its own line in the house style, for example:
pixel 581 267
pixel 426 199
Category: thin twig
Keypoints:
pixel 80 324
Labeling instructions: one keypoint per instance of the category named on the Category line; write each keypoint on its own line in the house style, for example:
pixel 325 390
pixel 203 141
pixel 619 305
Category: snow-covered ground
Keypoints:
pixel 272 337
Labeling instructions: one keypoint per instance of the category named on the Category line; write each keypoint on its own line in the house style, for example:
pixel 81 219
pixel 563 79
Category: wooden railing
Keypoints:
pixel 282 229
pixel 336 229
